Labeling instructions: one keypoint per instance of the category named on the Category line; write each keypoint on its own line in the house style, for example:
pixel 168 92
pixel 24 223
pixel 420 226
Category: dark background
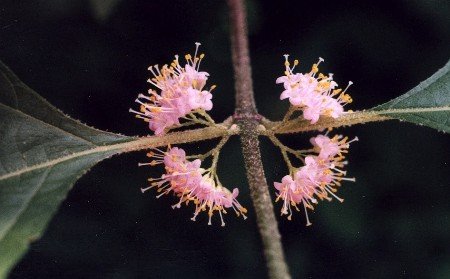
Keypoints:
pixel 90 59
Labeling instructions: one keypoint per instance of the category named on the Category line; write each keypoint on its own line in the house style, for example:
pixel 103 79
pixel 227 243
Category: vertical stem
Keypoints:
pixel 245 101
pixel 262 202
pixel 246 117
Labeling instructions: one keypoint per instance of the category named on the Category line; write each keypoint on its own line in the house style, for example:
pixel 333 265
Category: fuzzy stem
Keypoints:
pixel 262 202
pixel 208 118
pixel 302 125
pixel 285 150
pixel 289 113
pixel 246 117
pixel 213 152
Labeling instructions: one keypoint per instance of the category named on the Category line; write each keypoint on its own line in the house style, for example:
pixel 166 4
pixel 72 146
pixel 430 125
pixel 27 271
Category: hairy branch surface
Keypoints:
pixel 248 120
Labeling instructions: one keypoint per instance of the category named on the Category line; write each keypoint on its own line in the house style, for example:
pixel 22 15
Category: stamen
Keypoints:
pixel 308 223
pixel 331 193
pixel 348 85
pixel 197 44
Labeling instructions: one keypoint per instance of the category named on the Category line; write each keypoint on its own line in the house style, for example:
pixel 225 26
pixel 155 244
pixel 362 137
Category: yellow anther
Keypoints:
pixel 346 98
pixel 336 91
pixel 202 56
pixel 296 62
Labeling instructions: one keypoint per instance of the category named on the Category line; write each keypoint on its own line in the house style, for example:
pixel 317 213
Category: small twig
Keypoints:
pixel 285 150
pixel 288 161
pixel 286 118
pixel 289 113
pixel 206 116
pixel 215 155
pixel 295 152
pixel 212 152
pixel 195 119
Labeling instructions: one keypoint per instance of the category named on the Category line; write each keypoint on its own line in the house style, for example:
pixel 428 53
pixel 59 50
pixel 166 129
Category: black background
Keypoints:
pixel 91 62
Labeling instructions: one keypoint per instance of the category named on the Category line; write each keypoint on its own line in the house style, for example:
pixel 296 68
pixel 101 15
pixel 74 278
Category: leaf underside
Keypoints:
pixel 36 166
pixel 426 104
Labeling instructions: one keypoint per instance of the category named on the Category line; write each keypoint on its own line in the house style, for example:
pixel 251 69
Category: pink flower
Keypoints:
pixel 212 198
pixel 190 183
pixel 195 78
pixel 291 87
pixel 318 178
pixel 293 193
pixel 325 146
pixel 312 108
pixel 199 99
pixel 328 148
pixel 311 171
pixel 299 88
pixel 313 94
pixel 174 158
pixel 180 92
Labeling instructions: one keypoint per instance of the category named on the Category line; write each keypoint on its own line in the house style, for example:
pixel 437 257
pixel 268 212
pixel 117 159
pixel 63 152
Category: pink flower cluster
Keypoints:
pixel 190 182
pixel 318 178
pixel 312 93
pixel 180 92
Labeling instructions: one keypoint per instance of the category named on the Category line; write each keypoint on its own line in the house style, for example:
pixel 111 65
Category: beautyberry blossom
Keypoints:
pixel 313 92
pixel 211 197
pixel 328 148
pixel 199 99
pixel 179 92
pixel 318 179
pixel 191 183
pixel 293 193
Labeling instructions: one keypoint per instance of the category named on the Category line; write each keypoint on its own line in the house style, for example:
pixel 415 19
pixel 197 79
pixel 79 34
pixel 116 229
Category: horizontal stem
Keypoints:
pixel 348 119
pixel 302 125
pixel 413 110
pixel 135 144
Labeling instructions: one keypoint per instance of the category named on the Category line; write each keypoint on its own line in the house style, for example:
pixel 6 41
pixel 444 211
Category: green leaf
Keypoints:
pixel 42 153
pixel 426 104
